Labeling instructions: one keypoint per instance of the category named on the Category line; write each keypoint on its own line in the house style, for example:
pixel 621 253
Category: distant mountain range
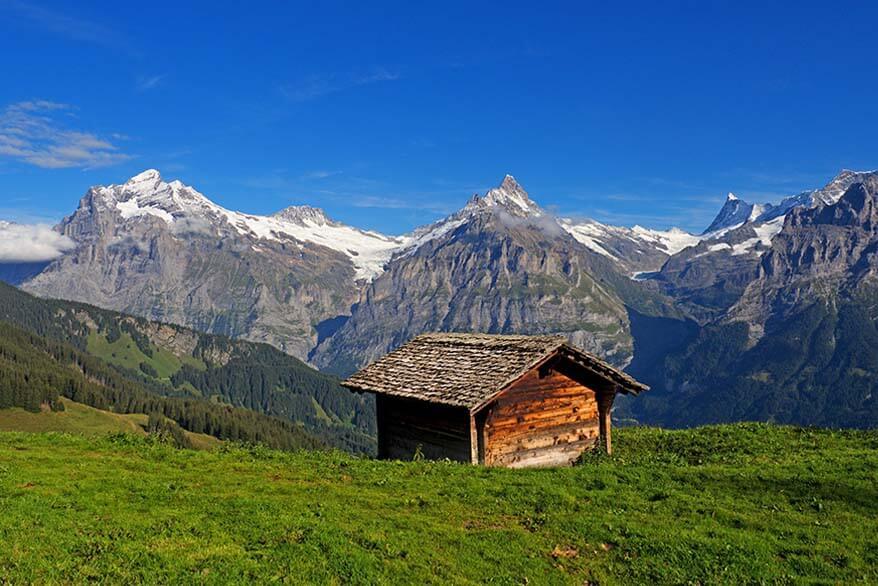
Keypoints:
pixel 339 296
pixel 799 342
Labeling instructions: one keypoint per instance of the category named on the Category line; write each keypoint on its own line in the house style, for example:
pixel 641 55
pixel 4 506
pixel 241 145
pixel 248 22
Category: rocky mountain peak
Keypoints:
pixel 735 211
pixel 834 190
pixel 857 206
pixel 148 194
pixel 510 197
pixel 304 215
pixel 510 184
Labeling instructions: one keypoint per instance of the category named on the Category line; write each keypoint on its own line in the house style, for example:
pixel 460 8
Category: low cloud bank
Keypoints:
pixel 31 243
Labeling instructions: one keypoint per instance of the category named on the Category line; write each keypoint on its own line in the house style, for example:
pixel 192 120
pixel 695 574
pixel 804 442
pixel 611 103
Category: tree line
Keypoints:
pixel 253 376
pixel 35 372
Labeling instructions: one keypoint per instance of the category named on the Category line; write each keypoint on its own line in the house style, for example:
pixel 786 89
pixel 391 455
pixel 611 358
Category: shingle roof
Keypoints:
pixel 467 369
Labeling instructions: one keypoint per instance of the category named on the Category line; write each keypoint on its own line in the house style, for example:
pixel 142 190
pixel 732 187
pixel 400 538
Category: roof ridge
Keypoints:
pixel 482 335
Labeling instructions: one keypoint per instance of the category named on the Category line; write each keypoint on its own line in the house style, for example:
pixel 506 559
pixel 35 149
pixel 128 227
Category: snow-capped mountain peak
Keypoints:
pixel 510 197
pixel 734 212
pixel 833 191
pixel 148 196
pixel 826 195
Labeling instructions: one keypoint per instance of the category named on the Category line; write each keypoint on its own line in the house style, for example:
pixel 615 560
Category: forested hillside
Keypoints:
pixel 172 361
pixel 819 368
pixel 35 372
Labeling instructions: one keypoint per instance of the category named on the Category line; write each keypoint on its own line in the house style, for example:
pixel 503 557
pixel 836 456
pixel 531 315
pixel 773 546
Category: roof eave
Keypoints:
pixel 358 389
pixel 624 382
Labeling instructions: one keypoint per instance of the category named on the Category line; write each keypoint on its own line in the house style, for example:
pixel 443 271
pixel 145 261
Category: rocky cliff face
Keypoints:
pixel 163 251
pixel 711 275
pixel 801 344
pixel 822 253
pixel 499 265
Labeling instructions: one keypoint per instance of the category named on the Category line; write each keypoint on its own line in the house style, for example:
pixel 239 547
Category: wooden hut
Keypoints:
pixel 496 400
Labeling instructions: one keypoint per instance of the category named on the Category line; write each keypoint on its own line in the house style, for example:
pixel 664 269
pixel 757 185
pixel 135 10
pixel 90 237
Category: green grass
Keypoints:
pixel 124 352
pixel 81 419
pixel 727 504
pixel 76 418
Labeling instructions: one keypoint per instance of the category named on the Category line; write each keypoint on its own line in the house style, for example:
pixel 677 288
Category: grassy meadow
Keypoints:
pixel 726 504
pixel 80 419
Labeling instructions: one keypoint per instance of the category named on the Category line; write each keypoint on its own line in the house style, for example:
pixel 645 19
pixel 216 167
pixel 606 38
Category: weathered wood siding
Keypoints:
pixel 545 421
pixel 441 431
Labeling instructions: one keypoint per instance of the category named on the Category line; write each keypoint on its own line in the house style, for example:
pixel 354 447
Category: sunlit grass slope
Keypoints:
pixel 80 419
pixel 730 504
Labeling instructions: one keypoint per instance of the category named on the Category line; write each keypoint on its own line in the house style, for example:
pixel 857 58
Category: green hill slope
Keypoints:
pixel 80 419
pixel 36 373
pixel 177 362
pixel 72 418
pixel 728 504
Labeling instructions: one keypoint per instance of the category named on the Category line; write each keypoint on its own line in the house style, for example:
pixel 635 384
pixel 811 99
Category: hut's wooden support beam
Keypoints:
pixel 474 440
pixel 605 399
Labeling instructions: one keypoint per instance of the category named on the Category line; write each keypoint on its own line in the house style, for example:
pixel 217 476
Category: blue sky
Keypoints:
pixel 389 115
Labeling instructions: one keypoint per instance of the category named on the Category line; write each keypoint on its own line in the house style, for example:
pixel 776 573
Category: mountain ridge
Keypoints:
pixel 800 342
pixel 500 264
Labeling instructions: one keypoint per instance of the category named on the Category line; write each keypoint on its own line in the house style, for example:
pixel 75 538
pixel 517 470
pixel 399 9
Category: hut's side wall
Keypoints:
pixel 546 421
pixel 404 425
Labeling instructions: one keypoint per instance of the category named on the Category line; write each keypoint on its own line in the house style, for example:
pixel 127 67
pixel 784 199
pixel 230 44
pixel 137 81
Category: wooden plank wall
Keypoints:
pixel 545 421
pixel 441 431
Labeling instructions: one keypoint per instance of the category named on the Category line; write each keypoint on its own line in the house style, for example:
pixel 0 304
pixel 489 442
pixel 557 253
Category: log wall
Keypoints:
pixel 546 421
pixel 440 431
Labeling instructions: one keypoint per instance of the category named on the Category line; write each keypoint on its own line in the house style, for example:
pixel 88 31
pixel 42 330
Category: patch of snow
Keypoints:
pixel 592 233
pixel 765 233
pixel 673 240
pixel 758 210
pixel 586 233
pixel 768 230
pixel 131 209
pixel 368 251
pixel 643 275
pixel 416 239
pixel 744 247
pixel 721 232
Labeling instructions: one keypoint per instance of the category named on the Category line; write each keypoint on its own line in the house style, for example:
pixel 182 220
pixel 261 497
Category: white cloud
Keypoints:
pixel 33 133
pixel 71 27
pixel 148 82
pixel 317 86
pixel 31 243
